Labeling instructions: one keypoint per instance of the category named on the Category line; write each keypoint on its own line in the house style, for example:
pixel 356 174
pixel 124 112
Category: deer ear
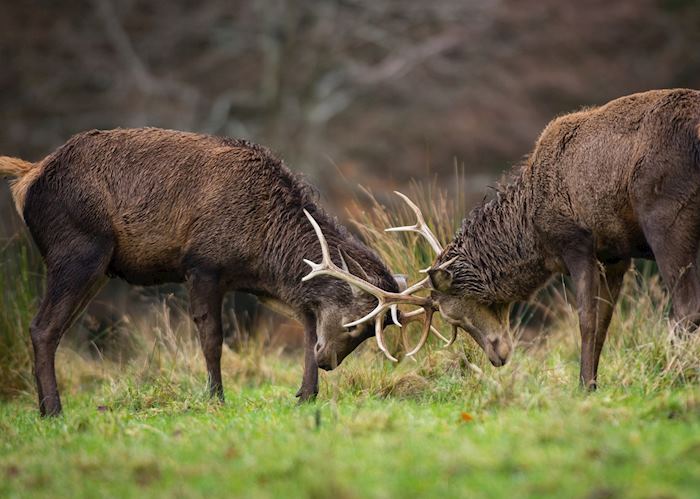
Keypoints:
pixel 353 268
pixel 440 279
pixel 401 281
pixel 351 265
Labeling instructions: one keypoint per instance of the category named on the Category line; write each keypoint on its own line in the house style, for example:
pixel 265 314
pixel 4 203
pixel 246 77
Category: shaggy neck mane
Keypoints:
pixel 497 253
pixel 290 239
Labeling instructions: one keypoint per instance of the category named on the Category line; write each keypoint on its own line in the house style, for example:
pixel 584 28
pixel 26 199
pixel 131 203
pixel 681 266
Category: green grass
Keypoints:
pixel 446 425
pixel 19 288
pixel 435 428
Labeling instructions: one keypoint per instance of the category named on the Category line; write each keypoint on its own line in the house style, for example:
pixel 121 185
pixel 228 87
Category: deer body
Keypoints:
pixel 154 206
pixel 602 186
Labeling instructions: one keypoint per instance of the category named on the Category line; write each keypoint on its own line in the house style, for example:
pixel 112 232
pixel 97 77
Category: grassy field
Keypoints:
pixel 446 425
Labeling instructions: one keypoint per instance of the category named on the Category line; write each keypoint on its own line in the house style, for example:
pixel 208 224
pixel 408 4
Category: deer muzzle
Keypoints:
pixel 497 349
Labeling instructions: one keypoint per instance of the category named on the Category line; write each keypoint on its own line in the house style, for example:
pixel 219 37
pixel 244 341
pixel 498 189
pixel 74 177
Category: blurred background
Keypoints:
pixel 348 92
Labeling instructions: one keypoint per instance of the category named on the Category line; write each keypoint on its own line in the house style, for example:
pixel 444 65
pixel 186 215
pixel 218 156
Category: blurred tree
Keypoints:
pixel 348 91
pixel 378 89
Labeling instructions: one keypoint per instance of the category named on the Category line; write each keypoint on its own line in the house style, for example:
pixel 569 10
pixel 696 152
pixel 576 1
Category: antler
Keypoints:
pixel 415 315
pixel 420 226
pixel 386 299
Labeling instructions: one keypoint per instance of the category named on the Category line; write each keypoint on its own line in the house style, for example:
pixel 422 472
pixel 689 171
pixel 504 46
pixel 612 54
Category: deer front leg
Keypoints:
pixel 596 300
pixel 583 267
pixel 205 307
pixel 309 383
pixel 609 291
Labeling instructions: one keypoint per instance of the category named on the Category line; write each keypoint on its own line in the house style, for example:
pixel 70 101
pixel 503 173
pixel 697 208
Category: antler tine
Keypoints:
pixel 415 315
pixel 420 226
pixel 385 298
pixel 379 334
pixel 395 315
pixel 422 284
pixel 455 330
pixel 374 313
pixel 327 267
pixel 424 334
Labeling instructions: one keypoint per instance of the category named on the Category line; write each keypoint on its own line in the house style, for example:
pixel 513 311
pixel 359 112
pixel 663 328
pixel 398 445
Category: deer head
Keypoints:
pixel 338 334
pixel 487 323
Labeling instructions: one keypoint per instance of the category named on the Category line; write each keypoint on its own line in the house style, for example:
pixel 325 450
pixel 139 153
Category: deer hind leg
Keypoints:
pixel 673 237
pixel 73 278
pixel 206 297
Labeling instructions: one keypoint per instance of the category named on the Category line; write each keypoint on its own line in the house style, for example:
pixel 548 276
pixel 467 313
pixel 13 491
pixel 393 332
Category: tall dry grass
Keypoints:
pixel 21 281
pixel 167 366
pixel 641 350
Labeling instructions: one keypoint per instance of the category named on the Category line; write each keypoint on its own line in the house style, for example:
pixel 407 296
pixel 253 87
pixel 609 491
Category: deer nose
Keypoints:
pixel 321 359
pixel 500 350
pixel 326 358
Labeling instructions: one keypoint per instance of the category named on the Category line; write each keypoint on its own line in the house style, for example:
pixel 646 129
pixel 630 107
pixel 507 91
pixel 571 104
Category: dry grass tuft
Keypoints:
pixel 167 369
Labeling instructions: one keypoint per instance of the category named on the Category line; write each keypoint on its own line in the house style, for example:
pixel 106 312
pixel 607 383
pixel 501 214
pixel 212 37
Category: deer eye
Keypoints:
pixel 355 331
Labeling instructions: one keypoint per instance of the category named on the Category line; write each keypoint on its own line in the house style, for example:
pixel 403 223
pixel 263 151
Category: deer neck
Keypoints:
pixel 283 266
pixel 499 257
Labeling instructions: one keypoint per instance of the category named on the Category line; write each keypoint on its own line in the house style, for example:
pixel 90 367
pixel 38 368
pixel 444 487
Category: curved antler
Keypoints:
pixel 385 299
pixel 420 226
pixel 416 315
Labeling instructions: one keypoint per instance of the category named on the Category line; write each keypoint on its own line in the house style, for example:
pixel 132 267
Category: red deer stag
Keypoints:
pixel 153 206
pixel 602 186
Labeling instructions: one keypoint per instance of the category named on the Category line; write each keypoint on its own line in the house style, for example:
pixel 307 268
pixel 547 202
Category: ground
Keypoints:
pixel 140 424
pixel 396 432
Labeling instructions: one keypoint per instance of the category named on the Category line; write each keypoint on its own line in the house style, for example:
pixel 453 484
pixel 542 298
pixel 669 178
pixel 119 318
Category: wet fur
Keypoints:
pixel 153 206
pixel 602 186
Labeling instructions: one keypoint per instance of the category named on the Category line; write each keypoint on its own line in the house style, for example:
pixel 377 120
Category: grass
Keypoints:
pixel 447 424
pixel 19 289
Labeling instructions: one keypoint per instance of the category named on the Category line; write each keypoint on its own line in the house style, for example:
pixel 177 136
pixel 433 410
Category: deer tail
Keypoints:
pixel 14 167
pixel 24 173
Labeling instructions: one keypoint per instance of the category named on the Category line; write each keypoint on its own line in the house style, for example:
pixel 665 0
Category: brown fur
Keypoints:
pixel 602 186
pixel 153 206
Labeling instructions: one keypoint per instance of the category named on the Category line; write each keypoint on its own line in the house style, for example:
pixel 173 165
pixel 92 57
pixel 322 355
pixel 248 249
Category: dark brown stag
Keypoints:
pixel 602 186
pixel 153 206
